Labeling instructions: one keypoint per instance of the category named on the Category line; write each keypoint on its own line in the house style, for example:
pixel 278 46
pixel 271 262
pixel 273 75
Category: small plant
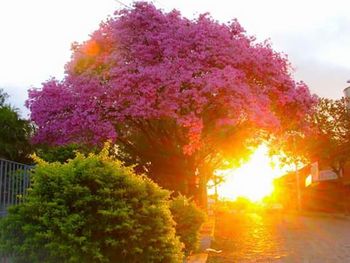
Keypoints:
pixel 189 219
pixel 91 209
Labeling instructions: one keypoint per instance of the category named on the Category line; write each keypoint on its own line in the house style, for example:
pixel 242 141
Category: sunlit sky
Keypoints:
pixel 36 36
pixel 254 179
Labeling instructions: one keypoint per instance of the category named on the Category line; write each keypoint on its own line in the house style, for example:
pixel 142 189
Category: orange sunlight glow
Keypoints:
pixel 252 180
pixel 92 48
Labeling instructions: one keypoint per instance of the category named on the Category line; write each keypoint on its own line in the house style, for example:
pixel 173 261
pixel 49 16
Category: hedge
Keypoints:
pixel 189 219
pixel 91 209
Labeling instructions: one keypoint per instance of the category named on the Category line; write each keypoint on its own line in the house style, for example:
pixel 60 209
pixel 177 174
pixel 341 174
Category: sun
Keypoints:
pixel 252 180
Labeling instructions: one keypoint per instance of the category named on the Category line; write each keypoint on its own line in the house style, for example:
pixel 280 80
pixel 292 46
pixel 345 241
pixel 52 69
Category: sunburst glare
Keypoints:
pixel 252 180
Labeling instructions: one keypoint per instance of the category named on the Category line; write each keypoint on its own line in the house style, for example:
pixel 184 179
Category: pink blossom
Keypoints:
pixel 144 64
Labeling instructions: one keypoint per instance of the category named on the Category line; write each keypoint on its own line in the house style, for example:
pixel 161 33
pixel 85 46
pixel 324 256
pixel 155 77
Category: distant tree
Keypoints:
pixel 330 142
pixel 174 94
pixel 3 97
pixel 325 137
pixel 15 133
pixel 62 153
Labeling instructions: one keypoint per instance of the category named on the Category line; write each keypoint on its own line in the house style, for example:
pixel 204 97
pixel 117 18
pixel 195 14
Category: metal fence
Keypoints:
pixel 14 182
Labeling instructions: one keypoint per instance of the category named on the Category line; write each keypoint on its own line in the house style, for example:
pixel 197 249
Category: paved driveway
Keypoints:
pixel 281 238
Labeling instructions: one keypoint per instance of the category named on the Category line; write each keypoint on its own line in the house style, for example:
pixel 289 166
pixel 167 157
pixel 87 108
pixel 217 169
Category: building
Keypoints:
pixel 322 190
pixel 286 189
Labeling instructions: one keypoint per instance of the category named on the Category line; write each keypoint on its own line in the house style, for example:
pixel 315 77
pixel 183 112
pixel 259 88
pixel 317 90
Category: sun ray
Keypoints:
pixel 252 180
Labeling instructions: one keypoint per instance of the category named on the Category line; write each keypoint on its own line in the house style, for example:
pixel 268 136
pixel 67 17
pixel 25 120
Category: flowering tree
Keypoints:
pixel 173 93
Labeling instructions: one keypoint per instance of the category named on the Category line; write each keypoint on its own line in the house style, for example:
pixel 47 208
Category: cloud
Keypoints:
pixel 36 36
pixel 320 54
pixel 324 79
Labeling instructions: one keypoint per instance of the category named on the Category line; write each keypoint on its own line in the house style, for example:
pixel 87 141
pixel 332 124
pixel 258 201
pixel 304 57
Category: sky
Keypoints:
pixel 36 36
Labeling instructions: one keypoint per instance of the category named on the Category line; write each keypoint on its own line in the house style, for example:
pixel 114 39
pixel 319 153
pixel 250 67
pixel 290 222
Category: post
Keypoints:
pixel 298 186
pixel 202 191
pixel 297 177
pixel 347 105
pixel 347 96
pixel 215 188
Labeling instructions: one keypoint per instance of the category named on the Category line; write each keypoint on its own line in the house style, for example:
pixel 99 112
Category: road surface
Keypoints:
pixel 274 237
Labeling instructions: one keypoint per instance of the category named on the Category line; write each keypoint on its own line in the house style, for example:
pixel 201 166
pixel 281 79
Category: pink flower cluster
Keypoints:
pixel 144 64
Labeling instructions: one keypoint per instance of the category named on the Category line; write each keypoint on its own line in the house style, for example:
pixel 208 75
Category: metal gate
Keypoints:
pixel 14 182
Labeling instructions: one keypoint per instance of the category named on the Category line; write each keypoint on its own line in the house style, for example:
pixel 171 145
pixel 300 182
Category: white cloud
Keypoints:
pixel 36 36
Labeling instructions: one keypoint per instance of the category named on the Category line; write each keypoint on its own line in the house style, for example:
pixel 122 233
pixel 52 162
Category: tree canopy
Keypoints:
pixel 329 142
pixel 15 132
pixel 173 93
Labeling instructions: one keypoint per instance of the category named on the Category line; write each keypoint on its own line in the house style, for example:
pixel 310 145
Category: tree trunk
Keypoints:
pixel 203 194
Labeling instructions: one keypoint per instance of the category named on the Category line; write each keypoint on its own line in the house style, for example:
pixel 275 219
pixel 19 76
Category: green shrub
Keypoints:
pixel 91 209
pixel 189 219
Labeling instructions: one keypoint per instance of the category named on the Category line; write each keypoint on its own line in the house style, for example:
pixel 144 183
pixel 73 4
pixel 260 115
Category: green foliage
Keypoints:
pixel 91 209
pixel 326 139
pixel 56 154
pixel 61 153
pixel 14 133
pixel 3 97
pixel 189 219
pixel 331 142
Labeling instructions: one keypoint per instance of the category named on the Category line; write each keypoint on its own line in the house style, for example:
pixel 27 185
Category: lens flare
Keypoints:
pixel 252 180
pixel 92 48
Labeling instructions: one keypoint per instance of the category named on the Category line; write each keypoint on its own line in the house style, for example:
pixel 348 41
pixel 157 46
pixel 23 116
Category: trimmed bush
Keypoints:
pixel 189 219
pixel 91 209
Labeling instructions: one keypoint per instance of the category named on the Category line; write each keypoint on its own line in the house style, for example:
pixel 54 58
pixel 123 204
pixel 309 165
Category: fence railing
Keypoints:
pixel 14 183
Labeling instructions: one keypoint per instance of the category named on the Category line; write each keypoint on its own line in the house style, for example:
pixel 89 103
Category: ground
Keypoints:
pixel 277 237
